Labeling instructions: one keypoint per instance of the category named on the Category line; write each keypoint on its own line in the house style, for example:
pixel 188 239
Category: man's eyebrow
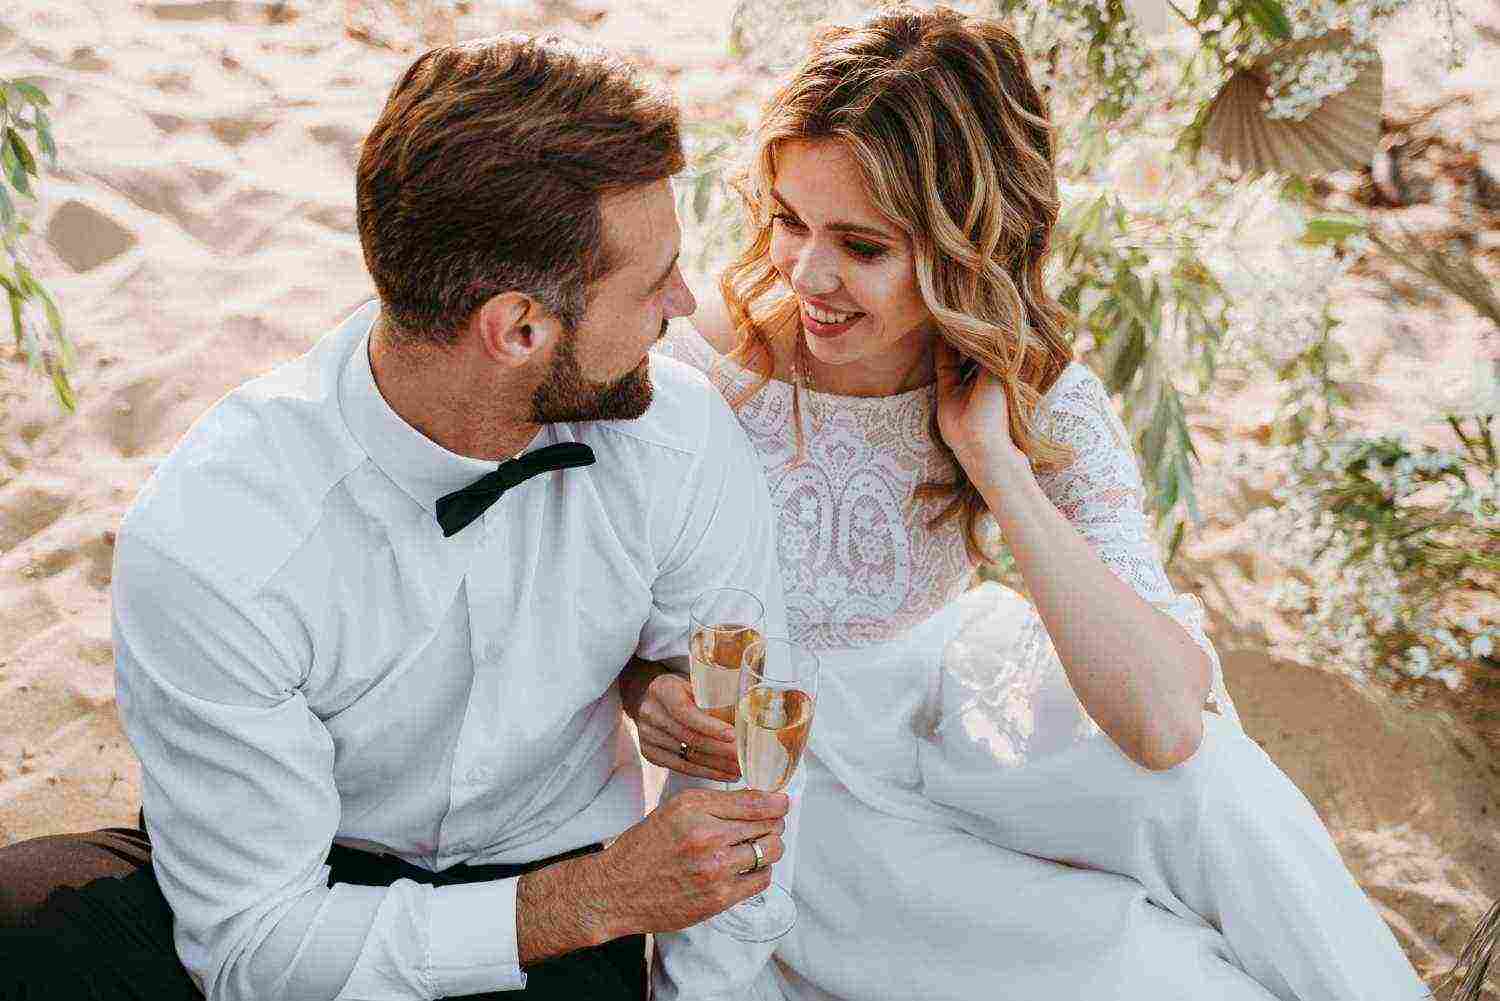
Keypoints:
pixel 842 227
pixel 667 273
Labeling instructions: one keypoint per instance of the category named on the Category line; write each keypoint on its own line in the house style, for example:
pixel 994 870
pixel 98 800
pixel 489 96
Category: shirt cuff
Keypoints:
pixel 472 944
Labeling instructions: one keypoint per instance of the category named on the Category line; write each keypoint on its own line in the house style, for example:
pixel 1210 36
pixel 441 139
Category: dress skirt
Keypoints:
pixel 966 831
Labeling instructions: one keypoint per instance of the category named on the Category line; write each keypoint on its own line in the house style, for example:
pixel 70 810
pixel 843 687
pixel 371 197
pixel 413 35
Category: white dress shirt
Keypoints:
pixel 302 658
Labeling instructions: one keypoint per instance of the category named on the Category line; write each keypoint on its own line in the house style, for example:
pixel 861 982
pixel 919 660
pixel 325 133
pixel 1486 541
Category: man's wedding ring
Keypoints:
pixel 760 859
pixel 684 748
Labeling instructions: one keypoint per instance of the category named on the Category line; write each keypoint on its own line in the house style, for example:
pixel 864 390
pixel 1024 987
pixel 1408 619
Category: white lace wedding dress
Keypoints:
pixel 966 830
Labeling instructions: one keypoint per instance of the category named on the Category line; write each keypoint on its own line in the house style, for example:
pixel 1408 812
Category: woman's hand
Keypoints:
pixel 974 419
pixel 667 717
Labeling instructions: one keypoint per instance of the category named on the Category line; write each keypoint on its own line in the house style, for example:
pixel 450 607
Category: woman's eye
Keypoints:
pixel 868 251
pixel 788 221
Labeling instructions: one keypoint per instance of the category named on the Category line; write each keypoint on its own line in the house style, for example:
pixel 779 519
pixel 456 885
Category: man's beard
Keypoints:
pixel 566 395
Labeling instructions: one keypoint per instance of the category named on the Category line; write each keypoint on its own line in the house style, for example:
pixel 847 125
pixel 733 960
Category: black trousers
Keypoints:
pixel 82 917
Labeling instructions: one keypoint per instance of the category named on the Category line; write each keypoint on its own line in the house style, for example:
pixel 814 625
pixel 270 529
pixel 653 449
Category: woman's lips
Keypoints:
pixel 826 330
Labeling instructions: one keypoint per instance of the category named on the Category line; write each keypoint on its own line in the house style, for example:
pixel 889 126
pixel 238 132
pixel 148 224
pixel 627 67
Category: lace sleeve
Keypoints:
pixel 1102 494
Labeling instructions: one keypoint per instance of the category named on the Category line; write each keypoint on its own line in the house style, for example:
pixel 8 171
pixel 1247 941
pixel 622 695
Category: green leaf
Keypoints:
pixel 1185 484
pixel 44 138
pixel 1131 352
pixel 1154 442
pixel 7 208
pixel 15 315
pixel 1166 487
pixel 1129 287
pixel 1269 15
pixel 31 92
pixel 12 167
pixel 23 152
pixel 1332 228
pixel 701 194
pixel 1177 535
pixel 54 315
pixel 64 391
pixel 26 281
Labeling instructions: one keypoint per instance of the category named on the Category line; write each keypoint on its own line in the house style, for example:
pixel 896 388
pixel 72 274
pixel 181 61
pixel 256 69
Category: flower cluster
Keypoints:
pixel 1298 87
pixel 1367 589
pixel 1276 288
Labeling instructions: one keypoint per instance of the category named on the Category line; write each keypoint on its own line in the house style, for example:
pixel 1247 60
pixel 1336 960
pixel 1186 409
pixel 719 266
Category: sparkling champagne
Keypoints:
pixel 716 653
pixel 771 729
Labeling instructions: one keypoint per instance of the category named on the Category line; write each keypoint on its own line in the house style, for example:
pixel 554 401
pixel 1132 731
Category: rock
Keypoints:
pixel 84 237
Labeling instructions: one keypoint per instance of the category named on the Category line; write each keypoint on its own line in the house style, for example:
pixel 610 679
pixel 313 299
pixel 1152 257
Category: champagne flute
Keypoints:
pixel 778 691
pixel 724 621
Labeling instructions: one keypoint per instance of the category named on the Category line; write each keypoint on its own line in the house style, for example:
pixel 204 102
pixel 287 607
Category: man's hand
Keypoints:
pixel 683 863
pixel 666 717
pixel 687 860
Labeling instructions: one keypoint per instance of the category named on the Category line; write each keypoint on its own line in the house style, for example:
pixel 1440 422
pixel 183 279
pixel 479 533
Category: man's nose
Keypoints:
pixel 681 302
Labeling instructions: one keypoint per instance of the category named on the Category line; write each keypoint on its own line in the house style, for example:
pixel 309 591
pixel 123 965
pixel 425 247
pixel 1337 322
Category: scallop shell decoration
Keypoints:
pixel 1340 134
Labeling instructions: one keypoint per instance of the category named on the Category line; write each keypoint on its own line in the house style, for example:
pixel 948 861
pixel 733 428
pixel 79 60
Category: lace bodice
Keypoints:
pixel 858 563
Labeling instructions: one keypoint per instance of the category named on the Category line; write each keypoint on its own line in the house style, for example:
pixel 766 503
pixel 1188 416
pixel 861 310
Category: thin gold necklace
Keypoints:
pixel 802 371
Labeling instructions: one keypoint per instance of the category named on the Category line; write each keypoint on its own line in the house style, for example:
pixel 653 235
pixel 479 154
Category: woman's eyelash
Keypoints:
pixel 868 251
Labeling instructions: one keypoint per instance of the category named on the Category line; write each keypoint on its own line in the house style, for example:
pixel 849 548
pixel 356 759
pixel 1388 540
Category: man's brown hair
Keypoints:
pixel 484 174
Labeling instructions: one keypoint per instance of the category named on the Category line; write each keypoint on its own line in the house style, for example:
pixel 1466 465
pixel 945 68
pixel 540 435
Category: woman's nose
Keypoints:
pixel 814 272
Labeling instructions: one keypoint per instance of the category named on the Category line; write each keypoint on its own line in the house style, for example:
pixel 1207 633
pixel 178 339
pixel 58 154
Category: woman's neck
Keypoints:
pixel 861 378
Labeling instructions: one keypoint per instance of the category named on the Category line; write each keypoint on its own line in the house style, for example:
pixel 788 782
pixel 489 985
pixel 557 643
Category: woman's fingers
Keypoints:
pixel 946 362
pixel 668 754
pixel 658 728
pixel 654 716
pixel 677 699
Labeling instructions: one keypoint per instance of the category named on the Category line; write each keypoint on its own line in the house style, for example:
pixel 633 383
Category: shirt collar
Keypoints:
pixel 420 466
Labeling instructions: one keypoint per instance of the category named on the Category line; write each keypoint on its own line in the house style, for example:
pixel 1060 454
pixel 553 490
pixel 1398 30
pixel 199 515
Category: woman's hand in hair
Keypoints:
pixel 974 419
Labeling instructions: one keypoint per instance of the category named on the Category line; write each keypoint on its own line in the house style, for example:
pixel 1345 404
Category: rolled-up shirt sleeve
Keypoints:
pixel 241 807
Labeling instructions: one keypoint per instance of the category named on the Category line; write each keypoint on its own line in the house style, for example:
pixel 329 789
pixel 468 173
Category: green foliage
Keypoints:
pixel 23 109
pixel 1123 314
pixel 1432 514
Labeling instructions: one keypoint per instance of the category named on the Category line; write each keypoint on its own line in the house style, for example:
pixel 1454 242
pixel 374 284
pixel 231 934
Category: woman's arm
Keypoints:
pixel 712 321
pixel 1135 669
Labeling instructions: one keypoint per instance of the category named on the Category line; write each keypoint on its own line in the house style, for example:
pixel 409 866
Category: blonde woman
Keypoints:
pixel 1037 800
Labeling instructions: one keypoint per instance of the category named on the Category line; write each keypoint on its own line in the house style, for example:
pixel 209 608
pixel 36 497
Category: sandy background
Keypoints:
pixel 200 230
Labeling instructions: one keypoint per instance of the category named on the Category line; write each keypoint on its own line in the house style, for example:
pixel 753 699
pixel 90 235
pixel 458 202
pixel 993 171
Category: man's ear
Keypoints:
pixel 515 329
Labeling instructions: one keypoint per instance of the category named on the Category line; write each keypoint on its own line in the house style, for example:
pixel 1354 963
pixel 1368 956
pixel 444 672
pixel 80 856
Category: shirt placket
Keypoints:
pixel 476 763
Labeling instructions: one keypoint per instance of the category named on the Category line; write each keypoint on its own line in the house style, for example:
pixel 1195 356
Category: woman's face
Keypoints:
pixel 852 272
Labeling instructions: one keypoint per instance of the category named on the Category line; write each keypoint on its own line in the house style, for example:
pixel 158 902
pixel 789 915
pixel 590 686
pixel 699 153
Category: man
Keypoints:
pixel 371 674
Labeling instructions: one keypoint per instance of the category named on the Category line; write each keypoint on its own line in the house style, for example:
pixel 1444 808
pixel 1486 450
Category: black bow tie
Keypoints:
pixel 457 509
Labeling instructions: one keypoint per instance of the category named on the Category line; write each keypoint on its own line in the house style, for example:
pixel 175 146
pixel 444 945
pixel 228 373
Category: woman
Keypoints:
pixel 1002 800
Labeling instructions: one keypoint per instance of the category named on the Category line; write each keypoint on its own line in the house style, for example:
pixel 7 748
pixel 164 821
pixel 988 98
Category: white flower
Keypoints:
pixel 1138 170
pixel 1418 661
pixel 1449 676
pixel 1481 646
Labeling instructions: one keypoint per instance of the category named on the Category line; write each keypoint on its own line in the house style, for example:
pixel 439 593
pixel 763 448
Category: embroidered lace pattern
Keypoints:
pixel 859 564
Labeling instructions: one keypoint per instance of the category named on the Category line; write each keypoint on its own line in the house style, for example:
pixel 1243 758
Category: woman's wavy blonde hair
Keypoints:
pixel 956 148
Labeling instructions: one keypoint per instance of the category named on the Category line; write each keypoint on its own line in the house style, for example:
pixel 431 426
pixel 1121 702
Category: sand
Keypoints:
pixel 200 230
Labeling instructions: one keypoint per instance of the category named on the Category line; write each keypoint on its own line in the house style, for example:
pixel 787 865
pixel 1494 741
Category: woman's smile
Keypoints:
pixel 827 323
